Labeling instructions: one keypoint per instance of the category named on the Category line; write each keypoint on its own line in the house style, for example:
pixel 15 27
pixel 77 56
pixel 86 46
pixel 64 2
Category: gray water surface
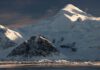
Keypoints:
pixel 53 68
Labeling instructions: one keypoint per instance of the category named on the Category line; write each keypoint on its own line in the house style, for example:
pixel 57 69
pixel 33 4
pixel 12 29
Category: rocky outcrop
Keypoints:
pixel 35 46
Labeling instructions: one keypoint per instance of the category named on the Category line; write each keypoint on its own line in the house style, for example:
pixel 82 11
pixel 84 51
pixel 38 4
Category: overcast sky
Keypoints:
pixel 21 11
pixel 37 6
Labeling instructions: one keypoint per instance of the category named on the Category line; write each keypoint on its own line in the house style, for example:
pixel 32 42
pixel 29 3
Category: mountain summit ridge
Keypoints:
pixel 71 8
pixel 8 36
pixel 73 13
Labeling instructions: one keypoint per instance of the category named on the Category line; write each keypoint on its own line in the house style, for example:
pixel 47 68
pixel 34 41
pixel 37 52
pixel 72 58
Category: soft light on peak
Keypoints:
pixel 73 13
pixel 71 8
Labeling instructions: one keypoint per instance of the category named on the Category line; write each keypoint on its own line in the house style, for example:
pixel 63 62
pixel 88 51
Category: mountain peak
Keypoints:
pixel 9 37
pixel 35 46
pixel 73 9
pixel 73 13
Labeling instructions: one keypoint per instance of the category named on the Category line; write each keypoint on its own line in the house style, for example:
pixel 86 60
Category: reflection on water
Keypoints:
pixel 52 68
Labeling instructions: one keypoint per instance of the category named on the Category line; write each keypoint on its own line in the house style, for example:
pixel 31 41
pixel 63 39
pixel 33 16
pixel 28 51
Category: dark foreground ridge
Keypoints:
pixel 35 46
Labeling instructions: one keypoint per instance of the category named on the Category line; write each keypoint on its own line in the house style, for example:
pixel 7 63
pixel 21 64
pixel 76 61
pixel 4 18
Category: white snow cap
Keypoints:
pixel 71 8
pixel 11 34
pixel 73 13
pixel 2 27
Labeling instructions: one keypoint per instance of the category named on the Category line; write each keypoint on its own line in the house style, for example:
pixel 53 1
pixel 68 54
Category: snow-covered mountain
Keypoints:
pixel 74 14
pixel 73 32
pixel 8 40
pixel 8 37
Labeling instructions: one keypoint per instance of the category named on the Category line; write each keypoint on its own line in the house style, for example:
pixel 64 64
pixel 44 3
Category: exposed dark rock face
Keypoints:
pixel 35 46
pixel 70 46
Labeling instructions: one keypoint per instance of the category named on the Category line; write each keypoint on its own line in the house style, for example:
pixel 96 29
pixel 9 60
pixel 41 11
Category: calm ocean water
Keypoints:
pixel 53 68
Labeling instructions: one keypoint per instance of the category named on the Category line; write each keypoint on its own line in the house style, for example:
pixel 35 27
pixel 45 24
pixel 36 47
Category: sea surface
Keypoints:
pixel 52 68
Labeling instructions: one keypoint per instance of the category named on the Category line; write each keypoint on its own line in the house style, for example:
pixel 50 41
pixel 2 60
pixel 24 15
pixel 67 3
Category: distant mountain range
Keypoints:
pixel 71 34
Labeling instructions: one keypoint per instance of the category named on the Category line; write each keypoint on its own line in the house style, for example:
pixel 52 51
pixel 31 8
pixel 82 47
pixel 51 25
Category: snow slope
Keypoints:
pixel 8 39
pixel 74 33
